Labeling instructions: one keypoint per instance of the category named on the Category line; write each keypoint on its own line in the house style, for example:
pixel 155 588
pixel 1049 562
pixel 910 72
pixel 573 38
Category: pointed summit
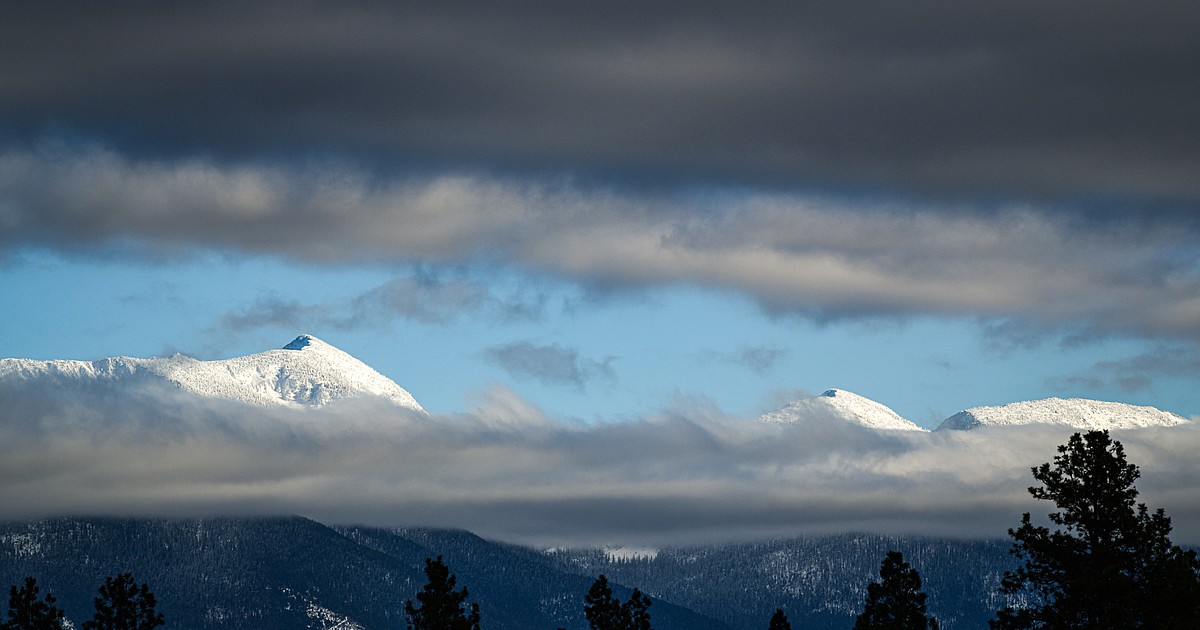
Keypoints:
pixel 307 371
pixel 846 406
pixel 304 341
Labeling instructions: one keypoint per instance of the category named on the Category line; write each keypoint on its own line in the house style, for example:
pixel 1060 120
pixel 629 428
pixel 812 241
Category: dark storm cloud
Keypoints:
pixel 687 474
pixel 549 364
pixel 1004 99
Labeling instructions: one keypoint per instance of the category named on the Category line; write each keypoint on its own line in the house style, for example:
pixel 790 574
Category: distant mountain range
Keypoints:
pixel 293 573
pixel 308 371
pixel 285 573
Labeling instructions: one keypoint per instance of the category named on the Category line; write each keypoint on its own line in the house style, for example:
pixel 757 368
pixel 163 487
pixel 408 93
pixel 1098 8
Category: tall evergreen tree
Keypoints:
pixel 779 621
pixel 895 602
pixel 602 610
pixel 123 605
pixel 1108 563
pixel 441 606
pixel 27 611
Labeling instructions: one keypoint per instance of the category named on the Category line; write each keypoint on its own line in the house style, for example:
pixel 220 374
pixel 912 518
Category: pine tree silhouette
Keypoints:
pixel 26 611
pixel 1108 563
pixel 635 613
pixel 602 610
pixel 123 605
pixel 605 612
pixel 779 621
pixel 895 602
pixel 441 606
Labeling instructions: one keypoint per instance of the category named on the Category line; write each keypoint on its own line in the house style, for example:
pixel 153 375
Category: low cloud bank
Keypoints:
pixel 504 470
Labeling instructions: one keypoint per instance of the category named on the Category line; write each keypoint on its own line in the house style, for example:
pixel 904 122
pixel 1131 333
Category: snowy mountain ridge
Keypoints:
pixel 843 405
pixel 306 371
pixel 1078 413
pixel 310 372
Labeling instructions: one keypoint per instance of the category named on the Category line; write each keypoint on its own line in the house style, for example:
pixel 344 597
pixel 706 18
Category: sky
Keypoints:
pixel 618 211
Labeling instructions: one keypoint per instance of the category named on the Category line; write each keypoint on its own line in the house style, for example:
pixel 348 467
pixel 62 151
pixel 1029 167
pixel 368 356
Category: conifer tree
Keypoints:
pixel 605 612
pixel 635 613
pixel 602 610
pixel 123 605
pixel 779 621
pixel 441 607
pixel 1108 563
pixel 895 602
pixel 26 611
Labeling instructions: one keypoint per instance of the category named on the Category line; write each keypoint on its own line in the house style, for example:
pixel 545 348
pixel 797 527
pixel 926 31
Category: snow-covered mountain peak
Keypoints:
pixel 1077 413
pixel 843 405
pixel 307 371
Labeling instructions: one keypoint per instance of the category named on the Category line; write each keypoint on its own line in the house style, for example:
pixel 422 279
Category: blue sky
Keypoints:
pixel 608 211
pixel 609 355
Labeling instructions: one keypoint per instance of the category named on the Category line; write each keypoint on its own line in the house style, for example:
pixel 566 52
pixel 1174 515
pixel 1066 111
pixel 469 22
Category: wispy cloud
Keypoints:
pixel 757 359
pixel 550 364
pixel 1137 372
pixel 505 470
pixel 425 297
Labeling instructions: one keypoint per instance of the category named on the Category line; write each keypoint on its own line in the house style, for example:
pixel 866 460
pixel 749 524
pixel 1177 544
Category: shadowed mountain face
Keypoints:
pixel 285 573
pixel 292 573
pixel 820 581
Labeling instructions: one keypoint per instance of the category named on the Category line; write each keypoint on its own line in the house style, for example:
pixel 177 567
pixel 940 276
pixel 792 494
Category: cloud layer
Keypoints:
pixel 814 256
pixel 504 470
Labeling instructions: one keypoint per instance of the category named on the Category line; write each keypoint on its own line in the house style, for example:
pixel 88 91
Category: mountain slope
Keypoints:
pixel 1077 413
pixel 307 371
pixel 842 405
pixel 820 581
pixel 293 573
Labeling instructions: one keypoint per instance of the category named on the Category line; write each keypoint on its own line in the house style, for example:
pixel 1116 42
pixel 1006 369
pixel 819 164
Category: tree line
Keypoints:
pixel 1108 563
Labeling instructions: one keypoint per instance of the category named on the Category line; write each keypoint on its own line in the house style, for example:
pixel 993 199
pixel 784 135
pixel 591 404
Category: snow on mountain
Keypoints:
pixel 846 406
pixel 307 371
pixel 1078 413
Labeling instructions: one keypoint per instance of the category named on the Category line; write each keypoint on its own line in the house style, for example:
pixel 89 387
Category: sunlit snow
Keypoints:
pixel 846 406
pixel 307 371
pixel 1078 413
